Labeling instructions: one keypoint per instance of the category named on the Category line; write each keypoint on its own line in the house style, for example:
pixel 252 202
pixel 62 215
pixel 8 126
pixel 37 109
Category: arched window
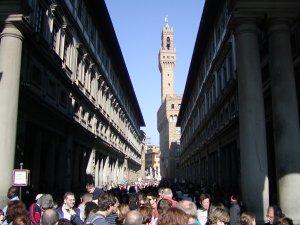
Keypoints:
pixel 168 43
pixel 175 118
pixel 171 118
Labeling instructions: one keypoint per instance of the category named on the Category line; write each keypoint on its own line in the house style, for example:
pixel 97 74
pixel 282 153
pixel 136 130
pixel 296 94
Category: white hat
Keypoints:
pixel 38 196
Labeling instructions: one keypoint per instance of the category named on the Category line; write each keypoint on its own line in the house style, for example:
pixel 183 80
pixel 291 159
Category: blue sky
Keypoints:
pixel 138 25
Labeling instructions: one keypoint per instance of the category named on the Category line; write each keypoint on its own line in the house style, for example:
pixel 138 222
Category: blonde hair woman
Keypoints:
pixel 218 216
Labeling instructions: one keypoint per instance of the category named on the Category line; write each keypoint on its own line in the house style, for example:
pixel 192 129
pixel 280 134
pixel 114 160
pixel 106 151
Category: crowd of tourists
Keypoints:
pixel 143 204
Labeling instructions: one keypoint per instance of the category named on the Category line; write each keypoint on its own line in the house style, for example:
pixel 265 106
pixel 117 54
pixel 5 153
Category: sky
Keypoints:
pixel 138 25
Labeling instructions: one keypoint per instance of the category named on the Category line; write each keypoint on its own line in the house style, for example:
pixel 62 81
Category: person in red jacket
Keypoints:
pixel 168 194
pixel 35 211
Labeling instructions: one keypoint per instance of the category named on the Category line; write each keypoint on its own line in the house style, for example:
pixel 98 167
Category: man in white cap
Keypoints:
pixel 35 211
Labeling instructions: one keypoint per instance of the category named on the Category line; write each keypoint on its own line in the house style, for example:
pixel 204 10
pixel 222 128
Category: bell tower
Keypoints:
pixel 167 59
pixel 170 104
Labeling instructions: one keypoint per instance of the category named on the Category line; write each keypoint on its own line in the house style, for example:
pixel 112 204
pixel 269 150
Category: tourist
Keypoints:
pixel 274 213
pixel 133 217
pixel 160 193
pixel 95 191
pixel 106 205
pixel 87 197
pixel 285 221
pixel 21 220
pixel 146 212
pixel 46 202
pixel 190 210
pixel 173 216
pixel 68 211
pixel 235 210
pixel 133 202
pixel 90 209
pixel 15 209
pixel 168 194
pixel 247 218
pixel 142 199
pixel 152 198
pixel 35 210
pixel 12 195
pixel 204 201
pixel 112 217
pixel 122 210
pixel 162 206
pixel 218 216
pixel 2 216
pixel 50 217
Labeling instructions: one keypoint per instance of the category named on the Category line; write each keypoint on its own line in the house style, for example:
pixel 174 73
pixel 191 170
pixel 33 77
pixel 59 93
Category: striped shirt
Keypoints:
pixel 112 218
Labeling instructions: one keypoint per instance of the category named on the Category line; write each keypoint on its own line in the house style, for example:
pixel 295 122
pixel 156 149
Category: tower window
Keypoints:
pixel 172 106
pixel 168 43
pixel 175 118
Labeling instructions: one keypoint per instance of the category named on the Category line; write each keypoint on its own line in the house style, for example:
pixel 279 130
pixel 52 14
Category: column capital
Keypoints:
pixel 245 21
pixel 279 25
pixel 85 56
pixel 11 30
pixel 245 25
pixel 80 46
pixel 92 66
pixel 102 83
pixel 66 28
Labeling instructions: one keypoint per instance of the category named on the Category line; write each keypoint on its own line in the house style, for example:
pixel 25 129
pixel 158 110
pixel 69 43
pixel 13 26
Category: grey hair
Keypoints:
pixel 188 207
pixel 50 217
pixel 46 201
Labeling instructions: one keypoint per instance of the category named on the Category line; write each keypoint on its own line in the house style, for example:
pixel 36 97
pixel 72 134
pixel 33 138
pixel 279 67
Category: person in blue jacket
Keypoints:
pixel 68 211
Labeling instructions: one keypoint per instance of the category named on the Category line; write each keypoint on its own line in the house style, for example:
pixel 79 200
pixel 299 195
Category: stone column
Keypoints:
pixel 285 117
pixel 49 160
pixel 66 153
pixel 105 171
pixel 36 162
pixel 126 171
pixel 10 66
pixel 219 164
pixel 254 171
pixel 101 169
pixel 97 173
pixel 90 169
pixel 62 41
pixel 75 167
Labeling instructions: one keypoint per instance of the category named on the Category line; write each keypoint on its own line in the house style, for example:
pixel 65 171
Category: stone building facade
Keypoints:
pixel 169 135
pixel 68 105
pixel 152 160
pixel 240 110
pixel 141 173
